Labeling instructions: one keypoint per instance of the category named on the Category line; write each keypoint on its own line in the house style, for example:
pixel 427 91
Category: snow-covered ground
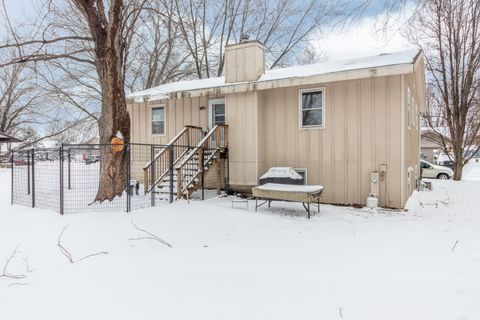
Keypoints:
pixel 226 263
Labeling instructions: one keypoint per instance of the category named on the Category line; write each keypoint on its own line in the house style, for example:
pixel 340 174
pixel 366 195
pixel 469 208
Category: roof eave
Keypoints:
pixel 299 81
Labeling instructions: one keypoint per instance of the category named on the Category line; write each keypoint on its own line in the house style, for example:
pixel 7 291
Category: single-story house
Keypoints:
pixel 431 143
pixel 6 142
pixel 349 125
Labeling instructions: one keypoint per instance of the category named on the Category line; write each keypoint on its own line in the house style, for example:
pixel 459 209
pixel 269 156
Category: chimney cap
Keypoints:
pixel 245 43
pixel 244 37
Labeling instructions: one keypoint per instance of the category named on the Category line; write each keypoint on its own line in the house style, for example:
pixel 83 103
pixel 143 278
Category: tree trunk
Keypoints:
pixel 109 51
pixel 457 172
pixel 114 119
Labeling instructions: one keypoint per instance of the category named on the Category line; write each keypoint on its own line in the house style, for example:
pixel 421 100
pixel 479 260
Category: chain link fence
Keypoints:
pixel 66 179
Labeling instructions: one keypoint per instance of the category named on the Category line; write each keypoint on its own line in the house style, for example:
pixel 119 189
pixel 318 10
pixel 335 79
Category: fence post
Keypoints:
pixel 61 178
pixel 129 177
pixel 11 167
pixel 152 175
pixel 170 167
pixel 33 178
pixel 69 159
pixel 28 172
pixel 203 173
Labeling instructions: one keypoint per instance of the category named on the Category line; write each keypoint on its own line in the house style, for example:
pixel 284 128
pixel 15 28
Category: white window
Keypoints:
pixel 409 108
pixel 158 120
pixel 312 108
pixel 416 119
pixel 409 180
pixel 216 112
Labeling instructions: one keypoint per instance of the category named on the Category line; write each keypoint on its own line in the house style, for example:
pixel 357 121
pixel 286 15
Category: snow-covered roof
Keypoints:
pixel 8 138
pixel 281 172
pixel 49 144
pixel 162 91
pixel 444 131
pixel 303 71
pixel 382 60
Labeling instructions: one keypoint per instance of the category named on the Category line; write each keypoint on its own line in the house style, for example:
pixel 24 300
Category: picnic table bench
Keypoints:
pixel 307 195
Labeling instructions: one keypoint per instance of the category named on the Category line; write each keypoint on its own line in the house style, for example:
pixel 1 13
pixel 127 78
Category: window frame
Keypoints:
pixel 300 109
pixel 409 108
pixel 305 174
pixel 211 102
pixel 158 106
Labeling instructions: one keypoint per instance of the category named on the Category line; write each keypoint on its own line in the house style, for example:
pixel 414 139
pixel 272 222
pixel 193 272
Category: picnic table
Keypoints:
pixel 307 195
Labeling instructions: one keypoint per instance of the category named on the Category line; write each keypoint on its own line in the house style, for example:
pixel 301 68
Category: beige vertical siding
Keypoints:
pixel 365 128
pixel 361 133
pixel 244 61
pixel 178 113
pixel 416 83
pixel 242 119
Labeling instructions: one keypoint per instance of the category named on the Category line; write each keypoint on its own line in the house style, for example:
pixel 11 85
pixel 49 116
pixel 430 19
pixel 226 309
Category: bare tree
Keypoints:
pixel 449 33
pixel 18 97
pixel 99 37
pixel 283 26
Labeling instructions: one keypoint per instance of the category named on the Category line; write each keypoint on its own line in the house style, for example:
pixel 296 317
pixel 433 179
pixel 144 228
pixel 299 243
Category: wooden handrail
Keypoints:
pixel 200 149
pixel 200 144
pixel 169 144
pixel 151 179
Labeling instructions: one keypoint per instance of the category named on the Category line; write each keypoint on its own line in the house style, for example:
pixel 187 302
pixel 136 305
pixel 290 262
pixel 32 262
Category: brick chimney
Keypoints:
pixel 244 61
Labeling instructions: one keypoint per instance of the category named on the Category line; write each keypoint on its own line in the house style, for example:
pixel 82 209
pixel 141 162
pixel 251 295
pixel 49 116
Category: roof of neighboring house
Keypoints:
pixel 385 60
pixel 8 138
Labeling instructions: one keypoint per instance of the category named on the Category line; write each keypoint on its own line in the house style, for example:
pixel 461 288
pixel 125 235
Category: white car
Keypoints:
pixel 434 171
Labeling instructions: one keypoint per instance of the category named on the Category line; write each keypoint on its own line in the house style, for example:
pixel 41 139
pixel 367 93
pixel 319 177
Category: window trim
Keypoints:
pixel 158 106
pixel 300 109
pixel 305 179
pixel 409 108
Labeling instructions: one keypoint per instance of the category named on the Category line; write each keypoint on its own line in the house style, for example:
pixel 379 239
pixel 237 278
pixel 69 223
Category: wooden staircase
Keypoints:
pixel 179 169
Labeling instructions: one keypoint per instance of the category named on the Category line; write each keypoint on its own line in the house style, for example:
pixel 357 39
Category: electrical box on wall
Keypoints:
pixel 383 171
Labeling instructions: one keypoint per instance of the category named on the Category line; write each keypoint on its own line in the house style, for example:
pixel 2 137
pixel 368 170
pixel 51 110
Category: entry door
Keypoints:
pixel 216 112
pixel 216 115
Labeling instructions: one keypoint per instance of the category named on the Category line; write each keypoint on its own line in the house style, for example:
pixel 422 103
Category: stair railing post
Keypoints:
pixel 219 171
pixel 145 180
pixel 152 176
pixel 201 166
pixel 225 137
pixel 179 183
pixel 217 137
pixel 170 168
pixel 187 137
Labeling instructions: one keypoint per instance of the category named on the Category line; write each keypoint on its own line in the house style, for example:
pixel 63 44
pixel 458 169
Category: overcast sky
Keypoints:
pixel 366 37
pixel 359 39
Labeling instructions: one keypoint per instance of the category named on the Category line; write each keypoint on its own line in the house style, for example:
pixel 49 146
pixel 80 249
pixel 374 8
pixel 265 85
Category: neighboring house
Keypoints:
pixel 336 121
pixel 7 142
pixel 430 145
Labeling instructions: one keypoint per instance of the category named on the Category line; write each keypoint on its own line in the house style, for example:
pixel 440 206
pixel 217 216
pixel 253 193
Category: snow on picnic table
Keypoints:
pixel 226 263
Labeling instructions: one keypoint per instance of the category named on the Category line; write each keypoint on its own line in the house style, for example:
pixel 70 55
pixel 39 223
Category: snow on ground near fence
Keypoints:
pixel 226 263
